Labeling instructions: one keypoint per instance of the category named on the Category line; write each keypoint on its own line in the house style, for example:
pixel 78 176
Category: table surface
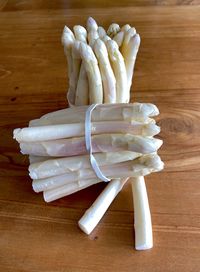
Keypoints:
pixel 36 236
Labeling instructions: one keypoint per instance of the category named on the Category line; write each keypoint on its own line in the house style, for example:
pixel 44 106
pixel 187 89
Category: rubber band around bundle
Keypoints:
pixel 88 143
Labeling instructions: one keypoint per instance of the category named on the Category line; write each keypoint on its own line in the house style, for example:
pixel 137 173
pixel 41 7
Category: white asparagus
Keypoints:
pixel 67 41
pixel 118 65
pixel 108 78
pixel 100 143
pixel 76 58
pixel 82 90
pixel 93 74
pixel 142 216
pixel 113 30
pixel 59 166
pixel 127 36
pixel 80 33
pixel 37 159
pixel 118 38
pixel 125 27
pixel 68 189
pixel 93 215
pixel 130 51
pixel 54 132
pixel 136 111
pixel 101 31
pixel 92 29
pixel 82 87
pixel 141 166
pixel 105 38
pixel 91 24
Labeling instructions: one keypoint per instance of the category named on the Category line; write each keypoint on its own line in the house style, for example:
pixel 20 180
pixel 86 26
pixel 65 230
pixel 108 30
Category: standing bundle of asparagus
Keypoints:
pixel 100 70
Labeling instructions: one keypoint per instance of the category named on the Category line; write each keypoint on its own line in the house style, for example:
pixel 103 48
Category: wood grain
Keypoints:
pixel 35 236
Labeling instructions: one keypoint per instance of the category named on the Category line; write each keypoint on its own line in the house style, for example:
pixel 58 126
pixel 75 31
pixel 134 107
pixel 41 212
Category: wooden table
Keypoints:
pixel 36 236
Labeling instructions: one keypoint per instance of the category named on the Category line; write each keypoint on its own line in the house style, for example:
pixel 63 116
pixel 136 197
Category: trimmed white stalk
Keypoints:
pixel 142 215
pixel 113 30
pixel 141 166
pixel 68 189
pixel 118 65
pixel 108 78
pixel 93 215
pixel 93 73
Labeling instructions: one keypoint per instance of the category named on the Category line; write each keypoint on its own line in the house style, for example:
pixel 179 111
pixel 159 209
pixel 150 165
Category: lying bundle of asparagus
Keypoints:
pixel 123 147
pixel 100 69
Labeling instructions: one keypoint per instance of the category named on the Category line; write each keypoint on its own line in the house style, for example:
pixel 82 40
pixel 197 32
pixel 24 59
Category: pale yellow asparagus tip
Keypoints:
pixel 113 30
pixel 67 36
pixel 80 33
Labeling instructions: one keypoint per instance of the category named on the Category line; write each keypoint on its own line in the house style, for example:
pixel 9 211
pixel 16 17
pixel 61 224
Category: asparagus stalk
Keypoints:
pixel 101 31
pixel 142 216
pixel 92 28
pixel 136 111
pixel 68 189
pixel 129 51
pixel 93 215
pixel 80 33
pixel 117 62
pixel 141 166
pixel 108 78
pixel 54 167
pixel 67 41
pixel 93 74
pixel 82 90
pixel 100 143
pixel 54 132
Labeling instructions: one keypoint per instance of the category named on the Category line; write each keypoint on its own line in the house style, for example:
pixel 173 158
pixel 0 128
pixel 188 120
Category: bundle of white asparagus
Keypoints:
pixel 100 70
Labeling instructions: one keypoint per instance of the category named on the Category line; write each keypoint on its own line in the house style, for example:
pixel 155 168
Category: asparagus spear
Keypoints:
pixel 136 111
pixel 93 73
pixel 54 132
pixel 58 166
pixel 67 41
pixel 108 78
pixel 100 143
pixel 141 166
pixel 101 31
pixel 92 28
pixel 80 33
pixel 113 30
pixel 129 51
pixel 117 62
